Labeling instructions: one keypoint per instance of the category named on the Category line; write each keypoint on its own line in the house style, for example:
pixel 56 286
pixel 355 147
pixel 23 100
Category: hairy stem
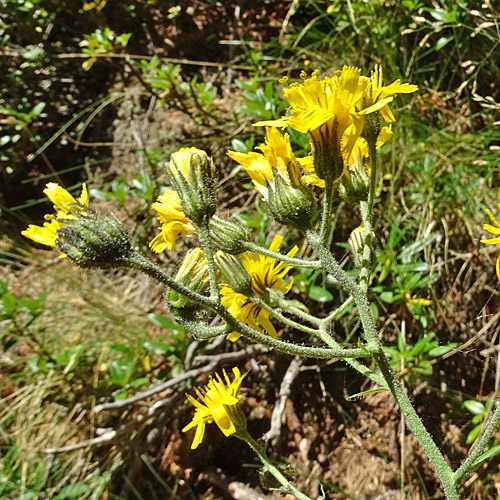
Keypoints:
pixel 269 466
pixel 206 243
pixel 252 247
pixel 468 466
pixel 413 420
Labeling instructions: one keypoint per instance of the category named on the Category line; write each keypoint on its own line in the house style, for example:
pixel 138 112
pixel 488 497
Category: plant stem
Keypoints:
pixel 252 247
pixel 468 466
pixel 287 321
pixel 338 312
pixel 269 466
pixel 326 212
pixel 206 243
pixel 288 307
pixel 413 420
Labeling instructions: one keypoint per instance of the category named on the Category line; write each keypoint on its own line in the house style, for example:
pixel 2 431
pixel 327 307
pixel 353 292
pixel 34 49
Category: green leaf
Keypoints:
pixel 473 406
pixel 370 391
pixel 158 347
pixel 441 350
pixel 320 294
pixel 138 382
pixel 159 320
pixel 471 437
pixel 442 42
pixel 485 456
pixel 72 491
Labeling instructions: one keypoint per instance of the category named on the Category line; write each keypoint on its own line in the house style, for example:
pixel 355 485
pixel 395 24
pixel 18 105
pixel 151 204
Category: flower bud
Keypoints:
pixel 192 174
pixel 356 243
pixel 228 236
pixel 355 185
pixel 371 129
pixel 193 274
pixel 290 205
pixel 94 240
pixel 233 273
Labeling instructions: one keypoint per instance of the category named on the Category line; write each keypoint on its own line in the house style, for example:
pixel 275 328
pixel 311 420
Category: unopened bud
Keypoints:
pixel 228 236
pixel 234 273
pixel 290 205
pixel 355 185
pixel 192 174
pixel 193 274
pixel 94 240
pixel 356 243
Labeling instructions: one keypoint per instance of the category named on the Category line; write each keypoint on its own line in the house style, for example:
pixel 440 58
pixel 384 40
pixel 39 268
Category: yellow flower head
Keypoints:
pixel 265 274
pixel 65 206
pixel 276 158
pixel 326 110
pixel 332 111
pixel 211 405
pixel 173 221
pixel 495 229
pixel 379 96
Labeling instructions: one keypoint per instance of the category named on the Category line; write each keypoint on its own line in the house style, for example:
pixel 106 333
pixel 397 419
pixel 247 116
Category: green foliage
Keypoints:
pixel 417 359
pixel 262 102
pixel 17 314
pixel 480 411
pixel 102 42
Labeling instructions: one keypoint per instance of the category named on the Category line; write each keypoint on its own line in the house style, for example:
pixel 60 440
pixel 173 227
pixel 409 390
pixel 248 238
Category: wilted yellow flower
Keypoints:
pixel 65 206
pixel 494 230
pixel 214 397
pixel 173 221
pixel 265 274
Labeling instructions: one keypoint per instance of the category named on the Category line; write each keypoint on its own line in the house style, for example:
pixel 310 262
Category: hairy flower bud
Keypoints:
pixel 234 273
pixel 192 174
pixel 193 274
pixel 289 204
pixel 228 236
pixel 356 244
pixel 94 240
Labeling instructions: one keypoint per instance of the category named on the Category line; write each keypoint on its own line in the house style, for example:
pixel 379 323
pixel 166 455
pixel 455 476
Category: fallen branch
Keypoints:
pixel 285 390
pixel 212 360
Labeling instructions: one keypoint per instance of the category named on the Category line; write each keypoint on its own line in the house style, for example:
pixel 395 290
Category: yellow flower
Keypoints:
pixel 332 111
pixel 214 397
pixel 173 221
pixel 379 96
pixel 360 152
pixel 65 206
pixel 276 157
pixel 494 230
pixel 326 110
pixel 265 274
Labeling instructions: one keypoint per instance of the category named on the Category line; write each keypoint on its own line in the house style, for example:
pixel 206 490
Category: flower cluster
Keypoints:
pixel 333 110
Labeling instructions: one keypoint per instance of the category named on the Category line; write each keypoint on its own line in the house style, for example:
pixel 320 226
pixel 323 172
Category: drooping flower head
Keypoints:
pixel 494 229
pixel 66 208
pixel 213 398
pixel 265 273
pixel 173 221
